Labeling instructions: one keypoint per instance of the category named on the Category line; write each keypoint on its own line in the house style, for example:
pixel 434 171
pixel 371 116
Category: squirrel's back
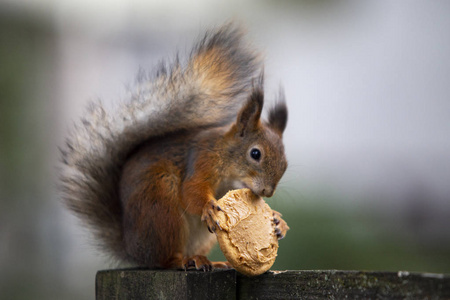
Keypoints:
pixel 208 90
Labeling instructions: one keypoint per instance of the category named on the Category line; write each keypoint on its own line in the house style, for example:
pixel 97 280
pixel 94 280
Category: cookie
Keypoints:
pixel 247 236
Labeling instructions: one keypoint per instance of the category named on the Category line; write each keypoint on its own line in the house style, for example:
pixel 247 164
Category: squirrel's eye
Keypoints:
pixel 255 154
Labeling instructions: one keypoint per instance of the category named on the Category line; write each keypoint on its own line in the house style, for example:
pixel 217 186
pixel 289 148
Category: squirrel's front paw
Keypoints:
pixel 209 215
pixel 281 226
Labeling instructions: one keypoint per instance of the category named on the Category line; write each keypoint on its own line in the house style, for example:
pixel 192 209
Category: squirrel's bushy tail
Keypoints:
pixel 214 82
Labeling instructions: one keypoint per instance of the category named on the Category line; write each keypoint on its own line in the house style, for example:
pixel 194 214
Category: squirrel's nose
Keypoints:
pixel 268 191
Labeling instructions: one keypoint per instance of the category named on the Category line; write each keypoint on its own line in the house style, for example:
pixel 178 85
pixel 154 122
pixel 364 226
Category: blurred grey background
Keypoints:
pixel 368 140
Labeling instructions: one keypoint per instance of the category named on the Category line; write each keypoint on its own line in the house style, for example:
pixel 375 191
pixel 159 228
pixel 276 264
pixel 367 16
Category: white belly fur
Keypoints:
pixel 199 239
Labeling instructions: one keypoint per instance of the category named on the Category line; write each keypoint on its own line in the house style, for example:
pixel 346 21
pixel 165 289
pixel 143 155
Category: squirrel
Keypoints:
pixel 145 178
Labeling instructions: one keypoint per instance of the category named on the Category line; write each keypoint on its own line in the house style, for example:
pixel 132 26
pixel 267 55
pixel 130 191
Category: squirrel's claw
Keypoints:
pixel 280 225
pixel 197 262
pixel 218 225
pixel 209 216
pixel 276 221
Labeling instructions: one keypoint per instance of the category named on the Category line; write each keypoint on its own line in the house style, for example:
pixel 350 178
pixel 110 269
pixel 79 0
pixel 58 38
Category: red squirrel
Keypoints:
pixel 146 177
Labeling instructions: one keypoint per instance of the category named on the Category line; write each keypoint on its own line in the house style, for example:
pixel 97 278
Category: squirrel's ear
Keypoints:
pixel 249 117
pixel 278 115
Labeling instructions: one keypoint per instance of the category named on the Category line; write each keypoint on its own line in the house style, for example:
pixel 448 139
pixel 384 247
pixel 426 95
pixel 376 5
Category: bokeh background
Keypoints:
pixel 368 140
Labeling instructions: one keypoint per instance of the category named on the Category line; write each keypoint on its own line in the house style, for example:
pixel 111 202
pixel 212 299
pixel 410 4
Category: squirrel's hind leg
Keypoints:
pixel 200 262
pixel 153 227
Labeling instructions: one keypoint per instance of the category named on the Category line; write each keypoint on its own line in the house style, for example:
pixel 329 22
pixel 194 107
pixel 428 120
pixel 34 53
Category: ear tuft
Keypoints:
pixel 278 115
pixel 249 116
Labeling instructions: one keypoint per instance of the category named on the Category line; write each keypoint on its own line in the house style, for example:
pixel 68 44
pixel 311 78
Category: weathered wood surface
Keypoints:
pixel 165 284
pixel 344 285
pixel 227 284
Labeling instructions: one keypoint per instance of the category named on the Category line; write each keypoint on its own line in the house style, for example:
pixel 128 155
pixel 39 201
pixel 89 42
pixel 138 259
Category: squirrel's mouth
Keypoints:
pixel 266 192
pixel 241 185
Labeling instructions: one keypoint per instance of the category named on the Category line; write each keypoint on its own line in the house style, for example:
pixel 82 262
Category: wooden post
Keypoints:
pixel 165 284
pixel 344 285
pixel 227 284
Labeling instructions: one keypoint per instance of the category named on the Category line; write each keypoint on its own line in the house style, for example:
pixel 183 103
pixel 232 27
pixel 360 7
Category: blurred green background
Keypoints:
pixel 368 140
